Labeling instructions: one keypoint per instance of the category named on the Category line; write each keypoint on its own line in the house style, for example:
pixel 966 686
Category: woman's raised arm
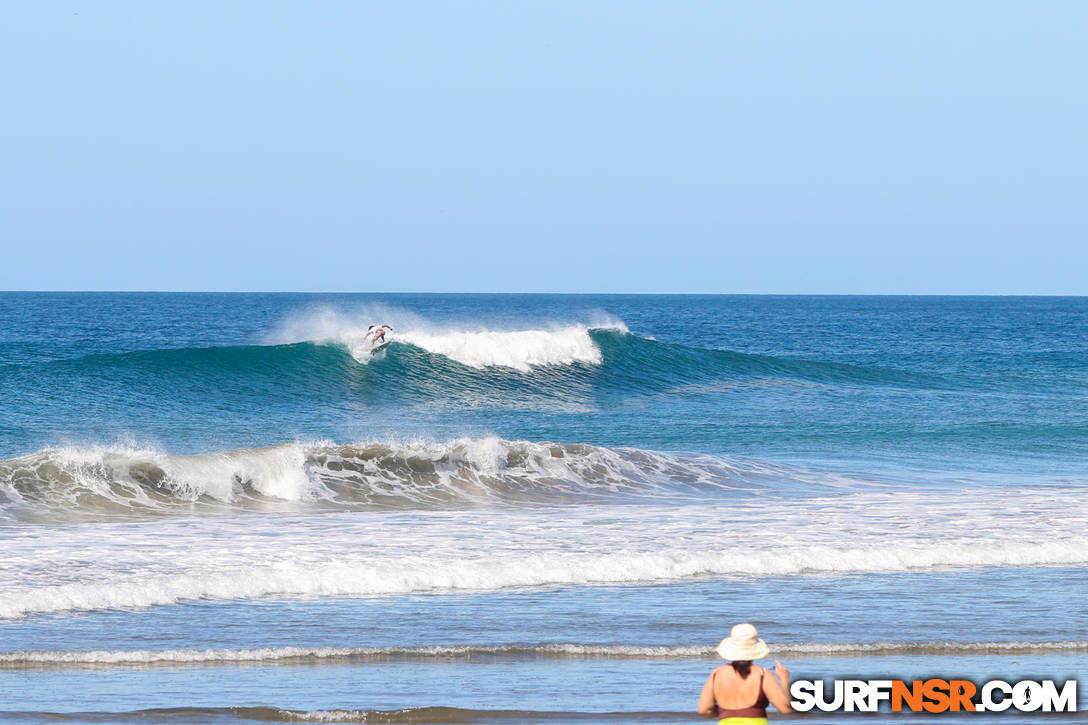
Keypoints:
pixel 777 688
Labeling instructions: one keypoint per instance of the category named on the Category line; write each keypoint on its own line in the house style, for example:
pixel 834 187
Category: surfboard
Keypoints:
pixel 380 346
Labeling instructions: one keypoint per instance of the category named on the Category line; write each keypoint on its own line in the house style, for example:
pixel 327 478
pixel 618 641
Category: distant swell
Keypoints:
pixel 478 653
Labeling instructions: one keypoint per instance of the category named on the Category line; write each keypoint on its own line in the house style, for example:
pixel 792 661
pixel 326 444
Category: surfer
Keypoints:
pixel 376 334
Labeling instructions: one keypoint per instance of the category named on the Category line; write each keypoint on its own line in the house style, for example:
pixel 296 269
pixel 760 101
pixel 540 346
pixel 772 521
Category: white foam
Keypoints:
pixel 856 649
pixel 340 575
pixel 330 715
pixel 291 654
pixel 273 655
pixel 517 349
pixel 387 525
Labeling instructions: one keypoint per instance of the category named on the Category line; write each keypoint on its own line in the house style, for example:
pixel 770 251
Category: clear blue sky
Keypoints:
pixel 590 146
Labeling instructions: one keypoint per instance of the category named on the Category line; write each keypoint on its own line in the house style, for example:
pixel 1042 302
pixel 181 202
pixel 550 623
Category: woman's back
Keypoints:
pixel 738 696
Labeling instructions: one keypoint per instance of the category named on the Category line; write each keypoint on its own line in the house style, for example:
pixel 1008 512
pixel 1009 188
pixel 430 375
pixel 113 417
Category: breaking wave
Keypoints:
pixel 374 475
pixel 572 364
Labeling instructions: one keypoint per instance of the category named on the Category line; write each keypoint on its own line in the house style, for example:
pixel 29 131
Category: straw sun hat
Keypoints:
pixel 743 643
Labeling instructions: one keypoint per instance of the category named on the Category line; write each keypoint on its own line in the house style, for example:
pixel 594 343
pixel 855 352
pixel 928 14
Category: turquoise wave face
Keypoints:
pixel 903 384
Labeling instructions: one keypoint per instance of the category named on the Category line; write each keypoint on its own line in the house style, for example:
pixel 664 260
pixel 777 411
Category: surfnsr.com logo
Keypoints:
pixel 933 695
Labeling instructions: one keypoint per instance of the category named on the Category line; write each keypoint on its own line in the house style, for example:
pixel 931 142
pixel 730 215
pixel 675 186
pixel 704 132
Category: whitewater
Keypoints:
pixel 610 539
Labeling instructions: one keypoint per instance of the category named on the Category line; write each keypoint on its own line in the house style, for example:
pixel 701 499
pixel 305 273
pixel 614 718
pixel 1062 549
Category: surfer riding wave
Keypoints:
pixel 375 335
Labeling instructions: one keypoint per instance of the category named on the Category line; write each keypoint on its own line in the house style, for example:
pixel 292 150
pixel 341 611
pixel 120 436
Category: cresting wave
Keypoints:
pixel 598 340
pixel 376 475
pixel 477 653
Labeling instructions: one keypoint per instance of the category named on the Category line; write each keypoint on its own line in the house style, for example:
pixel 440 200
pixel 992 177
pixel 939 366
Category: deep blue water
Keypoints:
pixel 962 384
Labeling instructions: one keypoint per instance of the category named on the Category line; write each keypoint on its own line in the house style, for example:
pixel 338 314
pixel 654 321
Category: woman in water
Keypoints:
pixel 738 693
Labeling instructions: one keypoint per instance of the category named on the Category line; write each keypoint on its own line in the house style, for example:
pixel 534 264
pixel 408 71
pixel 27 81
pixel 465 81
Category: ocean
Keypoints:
pixel 529 508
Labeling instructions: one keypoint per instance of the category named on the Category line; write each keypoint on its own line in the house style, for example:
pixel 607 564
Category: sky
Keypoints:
pixel 566 146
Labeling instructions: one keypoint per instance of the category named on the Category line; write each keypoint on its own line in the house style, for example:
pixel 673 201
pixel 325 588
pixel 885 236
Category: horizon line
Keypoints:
pixel 625 294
